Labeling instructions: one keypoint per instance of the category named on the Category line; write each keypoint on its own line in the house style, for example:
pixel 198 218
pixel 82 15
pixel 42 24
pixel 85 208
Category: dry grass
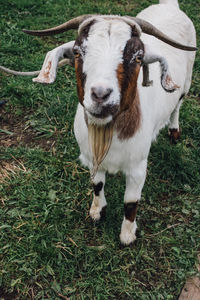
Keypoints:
pixel 9 169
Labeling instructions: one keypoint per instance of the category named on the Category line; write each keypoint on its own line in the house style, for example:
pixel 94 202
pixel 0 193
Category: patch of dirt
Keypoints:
pixel 6 296
pixel 191 289
pixel 17 131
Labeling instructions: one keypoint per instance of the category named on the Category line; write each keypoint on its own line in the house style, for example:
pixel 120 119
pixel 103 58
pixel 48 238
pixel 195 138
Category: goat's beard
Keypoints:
pixel 100 138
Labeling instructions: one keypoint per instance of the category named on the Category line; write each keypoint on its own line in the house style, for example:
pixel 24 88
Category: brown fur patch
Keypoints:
pixel 169 85
pixel 120 75
pixel 129 91
pixel 45 74
pixel 128 120
pixel 130 210
pixel 79 78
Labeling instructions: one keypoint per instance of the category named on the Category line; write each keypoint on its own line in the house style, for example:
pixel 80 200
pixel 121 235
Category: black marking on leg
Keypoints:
pixel 97 188
pixel 103 212
pixel 174 135
pixel 181 97
pixel 102 216
pixel 130 210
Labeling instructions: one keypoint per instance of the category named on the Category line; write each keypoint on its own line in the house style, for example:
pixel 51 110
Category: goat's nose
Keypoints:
pixel 100 94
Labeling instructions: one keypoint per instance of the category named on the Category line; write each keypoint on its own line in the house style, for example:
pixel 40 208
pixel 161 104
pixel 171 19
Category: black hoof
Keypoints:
pixel 174 135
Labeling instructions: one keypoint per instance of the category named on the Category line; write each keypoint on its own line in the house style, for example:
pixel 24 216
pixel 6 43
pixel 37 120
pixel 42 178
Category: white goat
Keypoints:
pixel 118 116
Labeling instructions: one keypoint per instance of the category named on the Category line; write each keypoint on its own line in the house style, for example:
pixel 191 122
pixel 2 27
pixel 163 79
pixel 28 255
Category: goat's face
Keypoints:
pixel 108 55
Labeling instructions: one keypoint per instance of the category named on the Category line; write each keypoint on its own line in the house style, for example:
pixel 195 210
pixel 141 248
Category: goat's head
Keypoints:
pixel 108 54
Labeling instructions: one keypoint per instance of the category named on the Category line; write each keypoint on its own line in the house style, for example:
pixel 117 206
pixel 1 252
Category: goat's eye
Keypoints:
pixel 76 52
pixel 138 59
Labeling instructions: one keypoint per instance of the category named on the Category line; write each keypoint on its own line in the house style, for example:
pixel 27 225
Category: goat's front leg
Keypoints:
pixel 99 204
pixel 134 184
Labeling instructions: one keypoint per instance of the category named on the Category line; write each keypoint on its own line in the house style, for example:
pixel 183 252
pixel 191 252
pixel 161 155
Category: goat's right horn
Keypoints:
pixel 71 24
pixel 148 28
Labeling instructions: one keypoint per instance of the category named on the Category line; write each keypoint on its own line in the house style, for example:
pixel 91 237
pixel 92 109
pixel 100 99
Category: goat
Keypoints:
pixel 120 111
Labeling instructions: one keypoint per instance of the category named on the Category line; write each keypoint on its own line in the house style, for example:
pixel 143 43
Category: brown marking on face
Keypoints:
pixel 129 92
pixel 129 117
pixel 130 210
pixel 120 75
pixel 79 78
pixel 83 34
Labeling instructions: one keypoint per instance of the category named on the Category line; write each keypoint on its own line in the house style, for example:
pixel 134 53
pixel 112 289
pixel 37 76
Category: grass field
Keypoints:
pixel 49 248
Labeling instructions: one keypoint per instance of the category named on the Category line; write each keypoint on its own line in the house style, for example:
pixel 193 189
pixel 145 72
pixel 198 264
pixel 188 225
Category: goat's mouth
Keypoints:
pixel 103 111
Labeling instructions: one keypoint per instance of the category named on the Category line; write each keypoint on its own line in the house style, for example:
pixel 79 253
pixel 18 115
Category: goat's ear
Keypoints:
pixel 166 80
pixel 48 72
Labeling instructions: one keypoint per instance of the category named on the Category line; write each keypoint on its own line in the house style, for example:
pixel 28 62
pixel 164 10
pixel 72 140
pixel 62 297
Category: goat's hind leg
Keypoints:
pixel 99 204
pixel 174 130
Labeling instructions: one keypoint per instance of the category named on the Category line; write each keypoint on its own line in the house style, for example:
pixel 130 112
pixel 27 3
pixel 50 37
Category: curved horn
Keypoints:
pixel 148 28
pixel 63 62
pixel 71 24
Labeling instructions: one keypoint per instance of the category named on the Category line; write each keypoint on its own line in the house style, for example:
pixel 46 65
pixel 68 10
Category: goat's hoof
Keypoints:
pixel 97 213
pixel 127 239
pixel 174 135
pixel 128 230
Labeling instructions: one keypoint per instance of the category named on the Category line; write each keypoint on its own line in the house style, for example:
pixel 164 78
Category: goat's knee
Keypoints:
pixel 98 207
pixel 99 204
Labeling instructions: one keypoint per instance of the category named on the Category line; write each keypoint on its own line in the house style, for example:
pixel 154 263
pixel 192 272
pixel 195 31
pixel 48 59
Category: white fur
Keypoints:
pixel 130 156
pixel 103 55
pixel 128 230
pixel 172 2
pixel 49 68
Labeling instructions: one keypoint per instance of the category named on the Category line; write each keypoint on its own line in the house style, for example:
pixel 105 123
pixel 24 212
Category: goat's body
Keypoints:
pixel 158 108
pixel 156 105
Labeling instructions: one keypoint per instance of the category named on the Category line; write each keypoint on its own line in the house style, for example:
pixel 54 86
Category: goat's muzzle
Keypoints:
pixel 103 112
pixel 100 94
pixel 102 104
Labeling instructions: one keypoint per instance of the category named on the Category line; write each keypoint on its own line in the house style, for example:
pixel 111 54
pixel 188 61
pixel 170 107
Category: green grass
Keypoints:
pixel 49 248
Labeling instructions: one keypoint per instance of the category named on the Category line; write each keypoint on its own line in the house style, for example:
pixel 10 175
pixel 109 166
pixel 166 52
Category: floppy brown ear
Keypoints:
pixel 49 68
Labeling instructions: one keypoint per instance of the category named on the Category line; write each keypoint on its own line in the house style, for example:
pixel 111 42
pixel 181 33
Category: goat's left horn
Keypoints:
pixel 71 24
pixel 148 28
